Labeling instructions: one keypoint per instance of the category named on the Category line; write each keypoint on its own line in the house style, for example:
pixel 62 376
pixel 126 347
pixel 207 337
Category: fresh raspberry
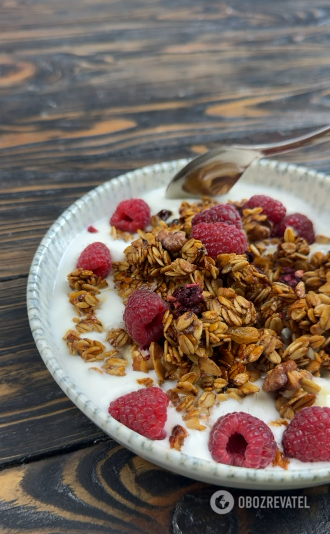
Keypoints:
pixel 187 298
pixel 307 437
pixel 226 213
pixel 274 209
pixel 144 411
pixel 96 257
pixel 143 316
pixel 300 223
pixel 220 238
pixel 240 439
pixel 131 215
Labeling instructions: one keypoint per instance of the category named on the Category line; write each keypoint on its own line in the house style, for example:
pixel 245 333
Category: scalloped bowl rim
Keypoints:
pixel 173 460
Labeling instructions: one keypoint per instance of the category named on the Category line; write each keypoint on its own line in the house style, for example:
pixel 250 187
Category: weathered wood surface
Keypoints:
pixel 107 489
pixel 89 90
pixel 36 417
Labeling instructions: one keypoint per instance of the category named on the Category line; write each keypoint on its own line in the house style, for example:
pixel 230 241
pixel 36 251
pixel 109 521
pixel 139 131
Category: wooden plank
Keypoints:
pixel 107 489
pixel 36 417
pixel 100 88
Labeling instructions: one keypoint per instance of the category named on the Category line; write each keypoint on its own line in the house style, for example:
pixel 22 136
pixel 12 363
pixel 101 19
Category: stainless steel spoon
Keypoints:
pixel 217 171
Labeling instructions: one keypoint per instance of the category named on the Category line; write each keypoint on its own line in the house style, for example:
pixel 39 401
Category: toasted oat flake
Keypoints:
pixel 147 382
pixel 281 460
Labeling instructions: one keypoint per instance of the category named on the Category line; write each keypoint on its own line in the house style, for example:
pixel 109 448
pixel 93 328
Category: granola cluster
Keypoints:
pixel 237 336
pixel 263 313
pixel 83 298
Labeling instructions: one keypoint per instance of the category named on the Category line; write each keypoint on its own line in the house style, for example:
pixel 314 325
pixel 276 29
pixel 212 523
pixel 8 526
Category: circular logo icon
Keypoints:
pixel 222 502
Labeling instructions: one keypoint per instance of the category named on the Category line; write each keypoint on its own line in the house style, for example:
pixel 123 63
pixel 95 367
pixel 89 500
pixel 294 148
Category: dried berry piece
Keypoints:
pixel 164 214
pixel 291 277
pixel 187 298
pixel 91 229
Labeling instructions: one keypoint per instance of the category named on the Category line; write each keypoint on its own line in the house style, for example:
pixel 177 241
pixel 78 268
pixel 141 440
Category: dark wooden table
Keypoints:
pixel 88 90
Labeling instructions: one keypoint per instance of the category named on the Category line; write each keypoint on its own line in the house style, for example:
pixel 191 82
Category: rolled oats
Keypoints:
pixel 147 382
pixel 118 337
pixel 81 279
pixel 88 324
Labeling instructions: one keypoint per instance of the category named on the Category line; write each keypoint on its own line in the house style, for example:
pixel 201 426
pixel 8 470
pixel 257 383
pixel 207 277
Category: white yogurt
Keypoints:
pixel 101 389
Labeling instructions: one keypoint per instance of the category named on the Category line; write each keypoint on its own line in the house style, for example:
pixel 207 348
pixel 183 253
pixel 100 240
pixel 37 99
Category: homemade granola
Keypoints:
pixel 260 314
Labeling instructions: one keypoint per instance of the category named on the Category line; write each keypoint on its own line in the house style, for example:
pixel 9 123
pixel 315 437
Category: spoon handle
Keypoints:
pixel 285 146
pixel 216 172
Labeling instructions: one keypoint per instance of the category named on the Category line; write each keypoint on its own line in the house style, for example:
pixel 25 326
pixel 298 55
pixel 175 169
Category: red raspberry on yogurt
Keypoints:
pixel 131 215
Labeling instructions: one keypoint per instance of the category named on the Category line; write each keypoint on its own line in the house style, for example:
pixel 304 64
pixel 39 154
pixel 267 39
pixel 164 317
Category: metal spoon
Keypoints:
pixel 217 171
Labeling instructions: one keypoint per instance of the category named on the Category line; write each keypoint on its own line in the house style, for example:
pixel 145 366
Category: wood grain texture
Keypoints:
pixel 36 417
pixel 89 90
pixel 107 489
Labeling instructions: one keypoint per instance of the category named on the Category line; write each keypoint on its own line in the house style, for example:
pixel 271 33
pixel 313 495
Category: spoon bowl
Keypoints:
pixel 217 171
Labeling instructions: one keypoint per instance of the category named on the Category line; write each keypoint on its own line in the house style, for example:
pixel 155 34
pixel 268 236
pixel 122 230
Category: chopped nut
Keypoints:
pixel 241 378
pixel 172 241
pixel 277 378
pixel 139 363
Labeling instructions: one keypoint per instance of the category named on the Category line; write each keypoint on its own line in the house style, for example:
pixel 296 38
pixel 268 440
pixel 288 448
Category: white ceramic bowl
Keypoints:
pixel 308 185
